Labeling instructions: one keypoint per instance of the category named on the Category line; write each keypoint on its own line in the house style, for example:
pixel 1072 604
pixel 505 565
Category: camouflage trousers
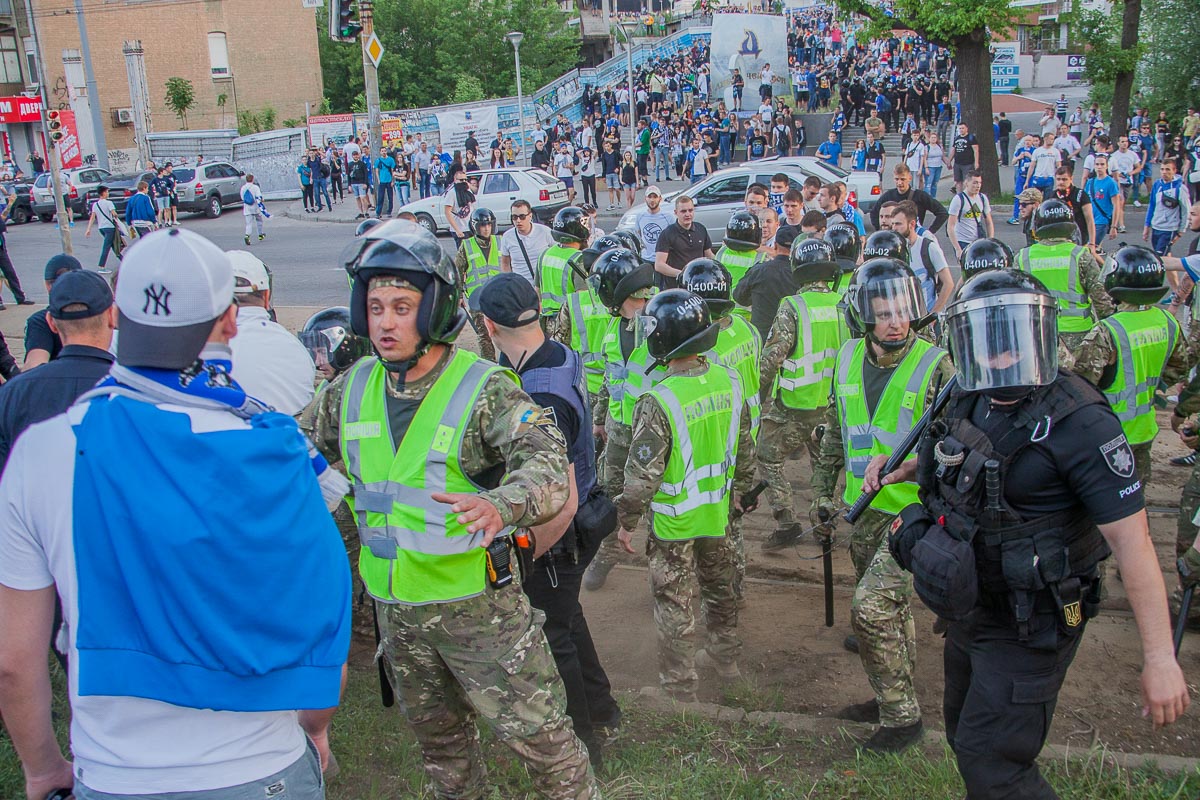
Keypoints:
pixel 785 432
pixel 484 657
pixel 486 348
pixel 1141 462
pixel 881 614
pixel 612 477
pixel 737 543
pixel 1185 534
pixel 675 570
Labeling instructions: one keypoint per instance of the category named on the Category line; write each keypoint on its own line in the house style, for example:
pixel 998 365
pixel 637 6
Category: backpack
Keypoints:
pixel 672 84
pixel 247 196
pixel 324 170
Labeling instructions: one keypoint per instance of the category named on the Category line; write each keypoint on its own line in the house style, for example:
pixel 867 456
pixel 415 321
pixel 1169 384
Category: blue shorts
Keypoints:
pixel 359 189
pixel 611 181
pixel 162 203
pixel 568 181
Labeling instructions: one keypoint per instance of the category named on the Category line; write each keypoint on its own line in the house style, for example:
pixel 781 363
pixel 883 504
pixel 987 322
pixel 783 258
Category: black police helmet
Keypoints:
pixel 812 260
pixel 888 279
pixel 994 282
pixel 743 231
pixel 886 244
pixel 571 226
pixel 406 250
pixel 329 331
pixel 1135 274
pixel 601 245
pixel 630 239
pixel 617 274
pixel 710 281
pixel 366 225
pixel 482 216
pixel 847 247
pixel 1053 219
pixel 682 325
pixel 984 254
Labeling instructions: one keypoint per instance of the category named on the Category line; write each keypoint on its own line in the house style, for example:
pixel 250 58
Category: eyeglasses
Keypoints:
pixel 519 217
pixel 1026 205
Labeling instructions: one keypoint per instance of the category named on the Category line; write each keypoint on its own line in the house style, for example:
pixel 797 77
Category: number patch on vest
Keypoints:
pixel 1118 456
pixel 443 439
pixel 361 430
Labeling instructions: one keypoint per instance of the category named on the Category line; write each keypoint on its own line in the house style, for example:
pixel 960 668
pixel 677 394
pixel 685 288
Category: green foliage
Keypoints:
pixel 427 40
pixel 467 89
pixel 251 121
pixel 292 122
pixel 181 96
pixel 1168 73
pixel 1100 33
pixel 943 23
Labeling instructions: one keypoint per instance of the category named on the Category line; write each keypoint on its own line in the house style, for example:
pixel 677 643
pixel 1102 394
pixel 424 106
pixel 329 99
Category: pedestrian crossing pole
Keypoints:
pixel 370 77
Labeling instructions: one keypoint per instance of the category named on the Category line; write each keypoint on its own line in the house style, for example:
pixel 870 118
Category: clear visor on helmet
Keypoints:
pixel 890 300
pixel 323 343
pixel 1004 341
pixel 593 282
pixel 644 325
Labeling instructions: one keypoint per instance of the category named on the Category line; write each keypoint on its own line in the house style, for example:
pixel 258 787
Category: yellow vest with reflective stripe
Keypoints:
pixel 626 380
pixel 738 262
pixel 738 348
pixel 705 414
pixel 900 405
pixel 806 376
pixel 1057 266
pixel 414 551
pixel 479 266
pixel 590 321
pixel 555 270
pixel 1144 342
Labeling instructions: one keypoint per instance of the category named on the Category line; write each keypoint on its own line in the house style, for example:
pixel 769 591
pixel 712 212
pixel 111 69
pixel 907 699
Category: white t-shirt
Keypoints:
pixel 969 214
pixel 914 153
pixel 537 242
pixel 270 363
pixel 1125 164
pixel 106 214
pixel 927 259
pixel 1045 161
pixel 124 745
pixel 563 165
pixel 349 149
pixel 650 227
pixel 252 191
pixel 1068 144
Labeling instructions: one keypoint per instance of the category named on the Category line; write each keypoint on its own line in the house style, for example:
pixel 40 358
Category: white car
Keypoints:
pixel 75 186
pixel 720 194
pixel 498 188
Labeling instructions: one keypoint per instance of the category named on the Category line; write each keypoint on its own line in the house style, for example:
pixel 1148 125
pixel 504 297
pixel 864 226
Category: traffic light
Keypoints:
pixel 342 25
pixel 54 123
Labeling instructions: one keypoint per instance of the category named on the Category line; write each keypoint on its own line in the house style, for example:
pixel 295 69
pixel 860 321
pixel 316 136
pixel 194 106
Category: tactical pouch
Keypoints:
pixel 907 529
pixel 1031 561
pixel 943 569
pixel 595 518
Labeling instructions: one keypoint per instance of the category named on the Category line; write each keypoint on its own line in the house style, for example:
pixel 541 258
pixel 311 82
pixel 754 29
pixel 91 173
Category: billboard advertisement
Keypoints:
pixel 1006 67
pixel 747 43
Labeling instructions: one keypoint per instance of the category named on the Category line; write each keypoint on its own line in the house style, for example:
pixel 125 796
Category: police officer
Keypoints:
pixel 738 348
pixel 1068 270
pixel 886 244
pixel 583 320
pixel 624 283
pixel 554 378
pixel 426 431
pixel 332 343
pixel 986 253
pixel 477 260
pixel 1026 459
pixel 559 265
pixel 796 373
pixel 882 383
pixel 743 237
pixel 690 456
pixel 1126 354
pixel 847 252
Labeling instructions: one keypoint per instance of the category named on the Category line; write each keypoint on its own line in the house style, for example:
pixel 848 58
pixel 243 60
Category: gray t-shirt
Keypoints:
pixel 650 227
pixel 537 242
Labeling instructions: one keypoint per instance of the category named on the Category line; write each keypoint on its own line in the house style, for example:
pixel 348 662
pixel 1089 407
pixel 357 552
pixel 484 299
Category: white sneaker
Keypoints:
pixel 1137 203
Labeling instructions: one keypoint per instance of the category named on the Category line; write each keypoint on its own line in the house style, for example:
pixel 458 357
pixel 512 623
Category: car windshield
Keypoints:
pixel 184 175
pixel 42 181
pixel 841 173
pixel 541 177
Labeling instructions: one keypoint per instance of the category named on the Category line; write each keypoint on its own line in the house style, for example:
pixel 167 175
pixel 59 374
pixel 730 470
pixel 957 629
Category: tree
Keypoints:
pixel 181 96
pixel 222 99
pixel 467 89
pixel 965 27
pixel 1111 38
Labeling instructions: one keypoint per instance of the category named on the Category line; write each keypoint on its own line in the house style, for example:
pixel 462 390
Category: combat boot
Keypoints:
pixel 895 740
pixel 596 574
pixel 726 670
pixel 861 712
pixel 783 537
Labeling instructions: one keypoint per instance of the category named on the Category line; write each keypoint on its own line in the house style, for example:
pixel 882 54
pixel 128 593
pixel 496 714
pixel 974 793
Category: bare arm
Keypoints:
pixel 662 268
pixel 945 288
pixel 975 150
pixel 505 263
pixel 315 722
pixel 35 358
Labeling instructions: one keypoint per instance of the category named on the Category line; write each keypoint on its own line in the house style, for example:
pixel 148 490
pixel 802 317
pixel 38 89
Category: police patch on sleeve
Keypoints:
pixel 1119 457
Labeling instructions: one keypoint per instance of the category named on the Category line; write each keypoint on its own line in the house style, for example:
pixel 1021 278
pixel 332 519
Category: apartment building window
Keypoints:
pixel 218 55
pixel 10 60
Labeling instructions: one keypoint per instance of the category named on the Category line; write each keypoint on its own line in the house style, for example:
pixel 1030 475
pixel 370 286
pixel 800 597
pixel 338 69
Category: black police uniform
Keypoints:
pixel 1064 468
pixel 553 376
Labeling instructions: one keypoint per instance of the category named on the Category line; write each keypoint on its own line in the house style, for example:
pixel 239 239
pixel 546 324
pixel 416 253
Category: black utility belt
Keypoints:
pixel 1073 600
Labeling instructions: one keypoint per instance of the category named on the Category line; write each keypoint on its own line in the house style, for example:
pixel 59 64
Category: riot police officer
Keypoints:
pixel 738 348
pixel 690 455
pixel 1067 269
pixel 334 347
pixel 847 252
pixel 583 320
pixel 426 431
pixel 986 253
pixel 796 372
pixel 366 225
pixel 1026 480
pixel 886 244
pixel 743 237
pixel 1126 354
pixel 560 264
pixel 883 380
pixel 477 260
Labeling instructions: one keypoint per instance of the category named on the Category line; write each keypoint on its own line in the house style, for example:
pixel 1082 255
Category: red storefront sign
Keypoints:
pixel 68 147
pixel 15 110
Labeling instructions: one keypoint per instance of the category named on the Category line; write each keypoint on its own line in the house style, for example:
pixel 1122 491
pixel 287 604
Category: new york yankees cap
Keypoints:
pixel 173 286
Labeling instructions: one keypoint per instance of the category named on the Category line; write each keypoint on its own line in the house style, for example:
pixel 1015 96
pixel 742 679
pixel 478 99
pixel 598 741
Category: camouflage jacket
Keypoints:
pixel 1099 351
pixel 832 457
pixel 505 427
pixel 651 447
pixel 781 339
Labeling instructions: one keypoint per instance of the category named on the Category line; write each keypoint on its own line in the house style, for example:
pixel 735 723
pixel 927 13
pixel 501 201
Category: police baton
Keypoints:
pixel 827 567
pixel 905 447
pixel 748 500
pixel 1185 606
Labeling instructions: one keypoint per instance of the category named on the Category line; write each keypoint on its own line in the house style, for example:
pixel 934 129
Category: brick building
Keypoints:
pixel 240 55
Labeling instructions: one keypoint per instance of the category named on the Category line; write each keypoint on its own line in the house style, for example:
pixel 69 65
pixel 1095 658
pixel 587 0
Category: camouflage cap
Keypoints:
pixel 380 281
pixel 1030 196
pixel 644 294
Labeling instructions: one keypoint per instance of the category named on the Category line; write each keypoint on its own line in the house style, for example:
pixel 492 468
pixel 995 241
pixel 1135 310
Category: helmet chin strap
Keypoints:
pixel 400 368
pixel 891 347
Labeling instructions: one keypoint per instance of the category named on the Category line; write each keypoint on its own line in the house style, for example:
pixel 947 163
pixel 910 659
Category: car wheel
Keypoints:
pixel 46 217
pixel 20 215
pixel 214 208
pixel 426 222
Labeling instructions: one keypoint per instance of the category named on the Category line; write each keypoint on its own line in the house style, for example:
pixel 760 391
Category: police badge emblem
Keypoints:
pixel 1119 457
pixel 1073 614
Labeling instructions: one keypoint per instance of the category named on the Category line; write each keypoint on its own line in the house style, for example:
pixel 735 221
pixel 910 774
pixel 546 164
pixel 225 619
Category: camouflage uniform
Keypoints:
pixel 1098 352
pixel 1092 286
pixel 485 655
pixel 881 611
pixel 486 348
pixel 784 430
pixel 612 469
pixel 1189 404
pixel 676 566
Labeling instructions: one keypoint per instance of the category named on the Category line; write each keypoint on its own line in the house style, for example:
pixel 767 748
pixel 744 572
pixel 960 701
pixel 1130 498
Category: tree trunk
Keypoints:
pixel 975 91
pixel 1123 82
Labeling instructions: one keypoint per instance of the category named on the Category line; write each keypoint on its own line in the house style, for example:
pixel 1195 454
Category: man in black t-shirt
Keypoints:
pixel 41 343
pixel 966 155
pixel 680 242
pixel 1080 203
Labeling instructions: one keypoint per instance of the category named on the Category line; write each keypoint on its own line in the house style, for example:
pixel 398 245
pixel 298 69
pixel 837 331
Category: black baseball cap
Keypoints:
pixel 508 300
pixel 785 236
pixel 80 287
pixel 58 264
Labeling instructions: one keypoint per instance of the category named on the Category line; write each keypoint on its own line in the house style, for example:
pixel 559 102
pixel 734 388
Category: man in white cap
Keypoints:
pixel 207 608
pixel 268 362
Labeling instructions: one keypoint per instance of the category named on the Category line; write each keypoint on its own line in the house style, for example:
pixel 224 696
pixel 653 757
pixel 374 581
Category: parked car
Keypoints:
pixel 206 189
pixel 723 192
pixel 120 189
pixel 76 183
pixel 498 188
pixel 19 194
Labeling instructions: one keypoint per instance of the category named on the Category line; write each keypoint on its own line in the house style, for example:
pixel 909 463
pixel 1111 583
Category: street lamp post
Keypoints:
pixel 515 38
pixel 632 99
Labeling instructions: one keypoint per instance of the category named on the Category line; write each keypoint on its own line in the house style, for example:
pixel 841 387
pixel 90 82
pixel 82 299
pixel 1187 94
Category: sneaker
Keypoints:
pixel 1120 229
pixel 1184 461
pixel 3 307
pixel 1013 221
pixel 103 271
pixel 246 239
pixel 726 670
pixel 262 236
pixel 861 712
pixel 850 643
pixel 1137 203
pixel 28 302
pixel 895 740
pixel 783 537
pixel 596 575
